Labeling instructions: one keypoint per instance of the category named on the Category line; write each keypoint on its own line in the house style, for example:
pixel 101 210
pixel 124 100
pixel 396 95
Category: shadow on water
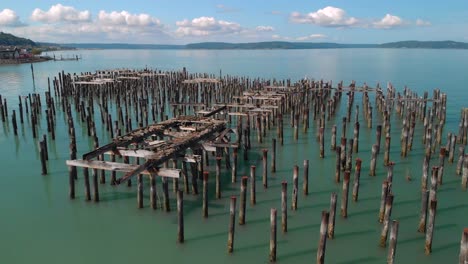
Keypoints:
pixel 355 233
pixel 304 227
pixel 299 253
pixel 115 196
pixel 444 247
pixel 408 202
pixel 373 198
pixel 256 246
pixel 361 260
pixel 365 212
pixel 209 236
pixel 455 207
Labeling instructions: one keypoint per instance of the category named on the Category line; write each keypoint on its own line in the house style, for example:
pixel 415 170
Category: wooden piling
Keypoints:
pixel 253 199
pixel 357 176
pixel 323 238
pixel 464 179
pixel 383 198
pixel 373 161
pixel 305 183
pixel 338 164
pixel 284 207
pixel 140 191
pixel 461 151
pixel 153 195
pixel 273 235
pixel 243 198
pixel 430 227
pixel 386 220
pixel 387 151
pixel 165 187
pixel 218 178
pixel 95 186
pixel 273 155
pixel 393 242
pixel 378 133
pixel 295 187
pixel 265 168
pixel 180 216
pixel 331 220
pixel 232 219
pixel 333 138
pixel 423 214
pixel 345 194
pixel 205 194
pixel 322 142
pixel 463 257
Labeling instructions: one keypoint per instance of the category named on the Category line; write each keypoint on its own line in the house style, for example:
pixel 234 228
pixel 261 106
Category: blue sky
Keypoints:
pixel 180 22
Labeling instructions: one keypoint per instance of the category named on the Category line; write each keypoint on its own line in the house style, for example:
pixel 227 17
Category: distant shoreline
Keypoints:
pixel 22 61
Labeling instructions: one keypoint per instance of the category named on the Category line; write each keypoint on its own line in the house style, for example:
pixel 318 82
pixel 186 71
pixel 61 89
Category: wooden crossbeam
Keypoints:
pixel 122 167
pixel 179 145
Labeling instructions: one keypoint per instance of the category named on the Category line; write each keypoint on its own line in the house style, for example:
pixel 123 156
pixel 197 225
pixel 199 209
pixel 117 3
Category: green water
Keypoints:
pixel 40 224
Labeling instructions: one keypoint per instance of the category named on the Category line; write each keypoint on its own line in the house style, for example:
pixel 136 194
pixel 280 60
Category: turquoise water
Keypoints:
pixel 40 224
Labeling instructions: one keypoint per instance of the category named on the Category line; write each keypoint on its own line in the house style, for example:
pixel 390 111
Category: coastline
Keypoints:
pixel 21 61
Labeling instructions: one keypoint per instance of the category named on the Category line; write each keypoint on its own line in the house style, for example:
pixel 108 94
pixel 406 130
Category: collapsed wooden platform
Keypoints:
pixel 180 134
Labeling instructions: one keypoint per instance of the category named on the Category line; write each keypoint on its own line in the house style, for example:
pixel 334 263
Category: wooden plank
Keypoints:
pixel 180 145
pixel 115 166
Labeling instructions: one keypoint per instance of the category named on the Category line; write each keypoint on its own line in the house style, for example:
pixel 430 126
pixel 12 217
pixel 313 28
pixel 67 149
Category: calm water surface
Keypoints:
pixel 39 224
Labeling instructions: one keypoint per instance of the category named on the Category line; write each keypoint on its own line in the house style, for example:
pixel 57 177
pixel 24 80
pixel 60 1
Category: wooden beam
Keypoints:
pixel 169 151
pixel 115 166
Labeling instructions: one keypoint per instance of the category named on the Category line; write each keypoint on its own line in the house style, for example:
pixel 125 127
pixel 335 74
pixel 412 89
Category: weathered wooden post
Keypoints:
pixel 356 138
pixel 180 216
pixel 390 172
pixel 253 199
pixel 234 166
pixel 86 184
pixel 322 142
pixel 333 138
pixel 165 187
pixel 243 197
pixel 373 161
pixel 345 194
pixel 386 220
pixel 463 258
pixel 430 227
pixel 433 190
pixel 464 180
pixel 383 198
pixel 349 156
pixel 461 151
pixel 338 164
pixel 393 242
pixel 153 194
pixel 440 173
pixel 265 168
pixel 284 206
pixel 140 191
pixel 323 238
pixel 232 219
pixel 272 235
pixel 387 151
pixel 378 133
pixel 205 194
pixel 295 187
pixel 425 172
pixel 95 186
pixel 331 219
pixel 357 176
pixel 218 177
pixel 273 155
pixel 423 214
pixel 305 183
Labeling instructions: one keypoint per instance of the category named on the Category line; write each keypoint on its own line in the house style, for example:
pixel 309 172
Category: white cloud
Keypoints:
pixel 264 28
pixel 422 23
pixel 279 37
pixel 9 18
pixel 124 18
pixel 206 26
pixel 60 13
pixel 328 17
pixel 311 37
pixel 388 21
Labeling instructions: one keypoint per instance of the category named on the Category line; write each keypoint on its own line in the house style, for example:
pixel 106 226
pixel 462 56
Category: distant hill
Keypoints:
pixel 121 46
pixel 275 45
pixel 413 44
pixel 7 39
